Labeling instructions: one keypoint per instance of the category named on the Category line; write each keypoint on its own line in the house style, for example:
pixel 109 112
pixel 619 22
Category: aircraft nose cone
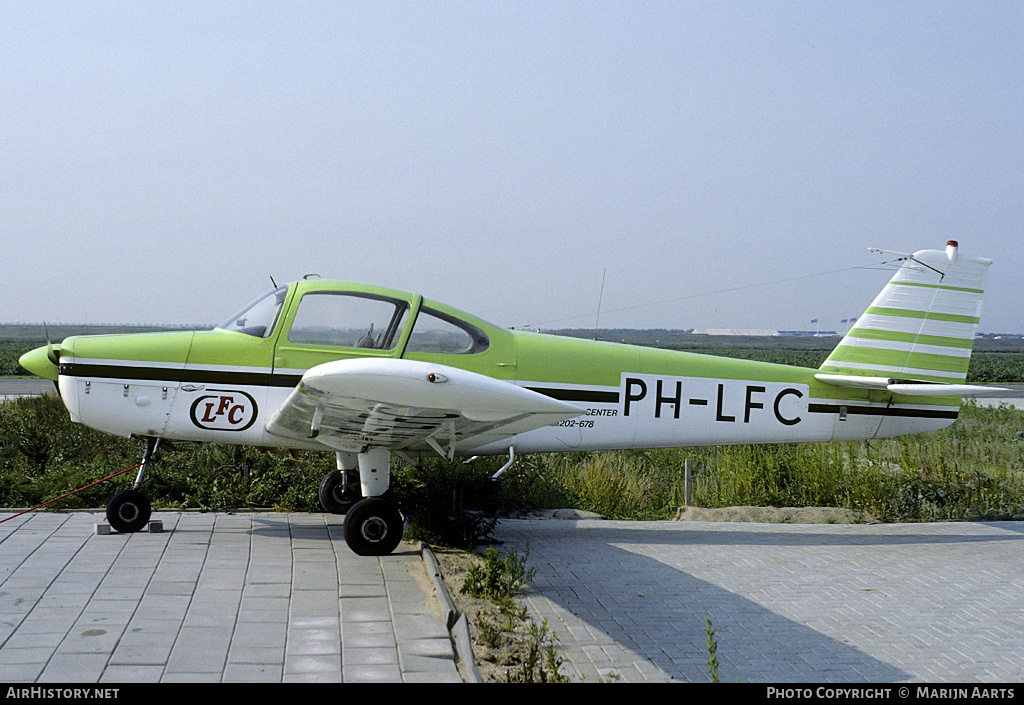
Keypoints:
pixel 38 362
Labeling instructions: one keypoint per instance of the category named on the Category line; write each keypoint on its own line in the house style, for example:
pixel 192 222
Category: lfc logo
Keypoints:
pixel 224 410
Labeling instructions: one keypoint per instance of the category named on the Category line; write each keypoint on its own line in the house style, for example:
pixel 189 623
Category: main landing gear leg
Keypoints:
pixel 374 525
pixel 128 511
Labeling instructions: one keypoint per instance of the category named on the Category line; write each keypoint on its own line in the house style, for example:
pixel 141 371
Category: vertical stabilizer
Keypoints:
pixel 922 326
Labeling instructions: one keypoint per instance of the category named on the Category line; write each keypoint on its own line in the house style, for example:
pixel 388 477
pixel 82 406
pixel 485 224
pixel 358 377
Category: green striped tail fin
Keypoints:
pixel 922 326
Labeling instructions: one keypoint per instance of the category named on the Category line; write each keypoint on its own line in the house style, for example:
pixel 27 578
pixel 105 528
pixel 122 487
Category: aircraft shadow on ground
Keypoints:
pixel 657 610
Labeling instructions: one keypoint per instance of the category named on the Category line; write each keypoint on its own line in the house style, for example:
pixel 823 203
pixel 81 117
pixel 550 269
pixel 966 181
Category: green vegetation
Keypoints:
pixel 712 644
pixel 499 578
pixel 543 663
pixel 11 350
pixel 448 504
pixel 971 470
pixel 44 455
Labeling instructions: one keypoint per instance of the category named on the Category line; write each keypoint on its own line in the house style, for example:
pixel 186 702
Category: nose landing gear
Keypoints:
pixel 129 511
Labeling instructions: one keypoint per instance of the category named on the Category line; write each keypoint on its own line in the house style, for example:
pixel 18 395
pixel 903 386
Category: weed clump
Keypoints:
pixel 499 577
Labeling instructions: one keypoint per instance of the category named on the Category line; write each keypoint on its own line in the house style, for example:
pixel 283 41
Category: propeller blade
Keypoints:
pixel 51 354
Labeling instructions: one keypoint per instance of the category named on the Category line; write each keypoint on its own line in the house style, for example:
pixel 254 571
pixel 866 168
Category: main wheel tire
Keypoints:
pixel 373 527
pixel 335 495
pixel 128 511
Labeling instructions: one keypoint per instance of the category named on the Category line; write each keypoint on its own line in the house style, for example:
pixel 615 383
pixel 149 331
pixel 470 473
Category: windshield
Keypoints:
pixel 258 318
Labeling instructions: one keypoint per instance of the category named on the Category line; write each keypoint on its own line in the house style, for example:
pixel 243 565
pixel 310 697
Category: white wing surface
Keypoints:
pixel 407 405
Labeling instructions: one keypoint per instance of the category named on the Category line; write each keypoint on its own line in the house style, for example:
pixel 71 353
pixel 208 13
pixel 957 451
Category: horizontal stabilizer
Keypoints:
pixel 929 389
pixel 852 381
pixel 907 387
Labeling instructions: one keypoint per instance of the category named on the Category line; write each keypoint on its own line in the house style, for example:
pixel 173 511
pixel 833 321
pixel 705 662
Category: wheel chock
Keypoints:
pixel 103 529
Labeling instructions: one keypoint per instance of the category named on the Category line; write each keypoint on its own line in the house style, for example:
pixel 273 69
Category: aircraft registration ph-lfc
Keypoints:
pixel 369 372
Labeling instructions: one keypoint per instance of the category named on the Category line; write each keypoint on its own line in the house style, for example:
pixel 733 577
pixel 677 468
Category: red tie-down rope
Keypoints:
pixel 91 484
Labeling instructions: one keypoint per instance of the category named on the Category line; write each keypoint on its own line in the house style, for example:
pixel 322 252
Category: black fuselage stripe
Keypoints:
pixel 164 374
pixel 883 411
pixel 587 395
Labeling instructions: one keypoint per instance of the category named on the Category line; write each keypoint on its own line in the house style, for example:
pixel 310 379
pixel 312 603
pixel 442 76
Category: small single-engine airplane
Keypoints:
pixel 368 372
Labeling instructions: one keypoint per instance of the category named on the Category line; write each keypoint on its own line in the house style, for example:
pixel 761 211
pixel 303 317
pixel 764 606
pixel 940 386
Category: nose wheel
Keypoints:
pixel 128 511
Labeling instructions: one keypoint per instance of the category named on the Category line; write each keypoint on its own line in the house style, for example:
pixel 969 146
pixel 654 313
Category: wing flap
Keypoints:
pixel 409 405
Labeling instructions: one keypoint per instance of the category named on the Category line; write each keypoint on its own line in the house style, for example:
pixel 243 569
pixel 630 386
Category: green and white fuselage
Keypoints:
pixel 366 371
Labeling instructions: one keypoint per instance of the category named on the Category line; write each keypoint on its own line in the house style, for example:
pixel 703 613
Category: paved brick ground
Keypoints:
pixel 214 598
pixel 280 598
pixel 788 603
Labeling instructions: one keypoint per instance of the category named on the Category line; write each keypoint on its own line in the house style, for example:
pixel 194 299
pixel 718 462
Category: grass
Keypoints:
pixel 43 455
pixel 499 577
pixel 971 470
pixel 712 645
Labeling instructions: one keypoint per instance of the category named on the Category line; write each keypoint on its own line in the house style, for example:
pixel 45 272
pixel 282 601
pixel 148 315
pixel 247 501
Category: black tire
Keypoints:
pixel 373 527
pixel 337 497
pixel 128 511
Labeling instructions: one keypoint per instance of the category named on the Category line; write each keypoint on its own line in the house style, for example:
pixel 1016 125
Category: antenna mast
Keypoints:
pixel 600 296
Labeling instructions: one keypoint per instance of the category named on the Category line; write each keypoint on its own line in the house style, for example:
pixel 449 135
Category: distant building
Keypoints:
pixel 810 333
pixel 735 331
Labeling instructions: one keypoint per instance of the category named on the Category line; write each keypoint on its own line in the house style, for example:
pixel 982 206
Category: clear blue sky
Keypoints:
pixel 160 161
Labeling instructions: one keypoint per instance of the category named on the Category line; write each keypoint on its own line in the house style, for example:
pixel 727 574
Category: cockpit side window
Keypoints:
pixel 258 318
pixel 437 332
pixel 348 319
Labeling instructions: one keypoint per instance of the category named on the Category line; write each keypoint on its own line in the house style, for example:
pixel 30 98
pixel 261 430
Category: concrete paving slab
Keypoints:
pixel 932 603
pixel 788 603
pixel 248 597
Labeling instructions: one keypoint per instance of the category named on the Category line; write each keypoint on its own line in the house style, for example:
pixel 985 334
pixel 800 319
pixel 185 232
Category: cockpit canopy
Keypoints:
pixel 357 319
